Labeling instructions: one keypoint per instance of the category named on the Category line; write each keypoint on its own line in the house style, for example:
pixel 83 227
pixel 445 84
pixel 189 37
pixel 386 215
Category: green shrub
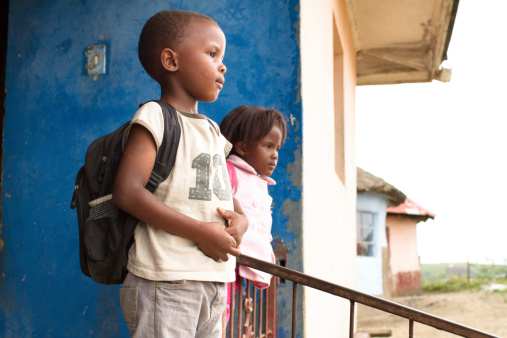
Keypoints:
pixel 453 285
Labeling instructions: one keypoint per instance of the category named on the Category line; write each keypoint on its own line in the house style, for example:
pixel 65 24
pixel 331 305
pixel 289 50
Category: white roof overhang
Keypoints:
pixel 401 41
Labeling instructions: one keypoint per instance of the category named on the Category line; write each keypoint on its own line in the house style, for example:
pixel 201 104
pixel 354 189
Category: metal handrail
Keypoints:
pixel 354 296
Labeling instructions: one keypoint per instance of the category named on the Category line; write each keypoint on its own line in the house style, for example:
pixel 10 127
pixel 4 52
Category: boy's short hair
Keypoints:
pixel 164 30
pixel 249 124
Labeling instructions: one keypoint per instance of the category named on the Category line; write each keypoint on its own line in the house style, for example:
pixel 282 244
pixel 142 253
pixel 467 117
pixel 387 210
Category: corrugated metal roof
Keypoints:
pixel 411 208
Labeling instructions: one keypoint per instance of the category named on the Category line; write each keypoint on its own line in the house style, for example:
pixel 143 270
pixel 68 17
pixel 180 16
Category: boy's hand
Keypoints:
pixel 216 243
pixel 238 224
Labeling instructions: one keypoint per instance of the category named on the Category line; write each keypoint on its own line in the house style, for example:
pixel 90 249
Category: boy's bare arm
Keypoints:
pixel 237 220
pixel 130 195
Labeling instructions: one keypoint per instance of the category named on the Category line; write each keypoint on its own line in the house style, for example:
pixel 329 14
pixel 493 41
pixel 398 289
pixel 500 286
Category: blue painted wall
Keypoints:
pixel 369 269
pixel 54 111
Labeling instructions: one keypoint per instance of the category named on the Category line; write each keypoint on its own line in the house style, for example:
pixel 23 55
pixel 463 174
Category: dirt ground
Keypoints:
pixel 483 310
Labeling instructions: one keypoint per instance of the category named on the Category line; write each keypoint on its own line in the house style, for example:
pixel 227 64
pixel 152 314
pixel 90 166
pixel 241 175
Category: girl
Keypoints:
pixel 256 134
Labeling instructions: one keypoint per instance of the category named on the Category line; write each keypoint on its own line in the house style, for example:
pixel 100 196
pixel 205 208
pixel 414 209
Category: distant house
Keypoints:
pixel 374 196
pixel 387 260
pixel 404 264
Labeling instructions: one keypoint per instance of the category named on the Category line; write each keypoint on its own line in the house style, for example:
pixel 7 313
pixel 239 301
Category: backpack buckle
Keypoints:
pixel 153 181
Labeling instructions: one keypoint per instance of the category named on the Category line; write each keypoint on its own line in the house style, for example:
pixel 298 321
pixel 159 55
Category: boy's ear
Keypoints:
pixel 168 59
pixel 240 148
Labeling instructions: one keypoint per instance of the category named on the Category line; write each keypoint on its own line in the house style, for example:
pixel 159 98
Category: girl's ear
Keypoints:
pixel 169 60
pixel 240 148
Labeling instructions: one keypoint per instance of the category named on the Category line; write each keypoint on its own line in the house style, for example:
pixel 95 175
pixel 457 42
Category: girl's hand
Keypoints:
pixel 215 242
pixel 238 224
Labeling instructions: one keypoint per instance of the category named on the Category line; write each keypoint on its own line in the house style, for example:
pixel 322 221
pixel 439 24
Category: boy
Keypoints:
pixel 179 262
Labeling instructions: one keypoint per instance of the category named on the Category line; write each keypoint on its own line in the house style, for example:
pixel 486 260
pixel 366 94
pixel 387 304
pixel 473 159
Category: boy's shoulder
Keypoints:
pixel 158 118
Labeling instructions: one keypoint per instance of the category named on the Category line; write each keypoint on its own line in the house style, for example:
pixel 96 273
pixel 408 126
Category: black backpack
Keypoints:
pixel 105 231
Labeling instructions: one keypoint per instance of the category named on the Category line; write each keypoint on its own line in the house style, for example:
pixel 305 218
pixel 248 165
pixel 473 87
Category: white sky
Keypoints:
pixel 445 144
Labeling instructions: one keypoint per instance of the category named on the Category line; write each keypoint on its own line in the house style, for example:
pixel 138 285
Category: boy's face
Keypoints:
pixel 200 61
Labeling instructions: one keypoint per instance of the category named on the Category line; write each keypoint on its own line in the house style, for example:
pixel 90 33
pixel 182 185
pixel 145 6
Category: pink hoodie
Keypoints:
pixel 251 190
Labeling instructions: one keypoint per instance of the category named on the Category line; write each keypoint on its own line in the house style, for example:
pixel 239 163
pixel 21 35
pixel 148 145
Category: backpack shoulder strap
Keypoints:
pixel 214 125
pixel 166 154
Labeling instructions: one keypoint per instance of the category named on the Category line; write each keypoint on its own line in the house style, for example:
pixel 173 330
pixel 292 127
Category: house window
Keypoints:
pixel 365 233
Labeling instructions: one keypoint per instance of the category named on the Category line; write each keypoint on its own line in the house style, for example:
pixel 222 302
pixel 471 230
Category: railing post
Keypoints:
pixel 231 309
pixel 254 312
pixel 240 306
pixel 271 308
pixel 249 307
pixel 410 328
pixel 261 307
pixel 351 322
pixel 294 307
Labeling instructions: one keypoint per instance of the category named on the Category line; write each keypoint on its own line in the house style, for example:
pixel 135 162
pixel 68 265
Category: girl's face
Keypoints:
pixel 263 154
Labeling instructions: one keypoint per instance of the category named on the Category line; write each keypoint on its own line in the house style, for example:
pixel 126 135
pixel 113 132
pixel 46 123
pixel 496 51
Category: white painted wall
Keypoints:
pixel 329 205
pixel 369 269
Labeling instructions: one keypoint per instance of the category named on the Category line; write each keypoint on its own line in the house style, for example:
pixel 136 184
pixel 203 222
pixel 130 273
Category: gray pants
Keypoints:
pixel 177 309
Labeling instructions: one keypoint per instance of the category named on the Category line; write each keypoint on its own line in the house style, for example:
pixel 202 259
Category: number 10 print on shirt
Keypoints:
pixel 221 187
